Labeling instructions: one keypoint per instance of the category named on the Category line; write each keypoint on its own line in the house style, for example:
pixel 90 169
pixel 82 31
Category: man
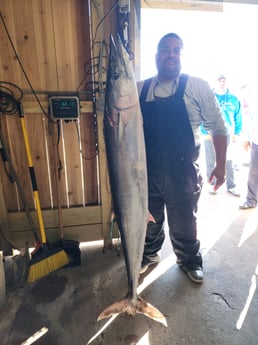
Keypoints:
pixel 231 110
pixel 173 107
pixel 250 137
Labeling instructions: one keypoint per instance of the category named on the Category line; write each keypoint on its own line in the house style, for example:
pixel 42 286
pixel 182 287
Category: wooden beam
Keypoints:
pixel 33 107
pixel 73 216
pixel 82 224
pixel 215 6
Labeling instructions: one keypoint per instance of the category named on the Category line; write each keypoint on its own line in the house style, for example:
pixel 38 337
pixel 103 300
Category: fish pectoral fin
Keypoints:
pixel 131 307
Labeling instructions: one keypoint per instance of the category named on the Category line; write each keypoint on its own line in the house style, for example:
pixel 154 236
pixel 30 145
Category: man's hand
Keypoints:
pixel 217 176
pixel 219 172
pixel 246 145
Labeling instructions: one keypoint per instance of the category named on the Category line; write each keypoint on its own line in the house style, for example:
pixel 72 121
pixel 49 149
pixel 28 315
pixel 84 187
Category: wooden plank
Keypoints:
pixel 30 26
pixel 6 167
pixel 32 107
pixel 37 142
pixel 9 67
pixel 81 224
pixel 42 16
pixel 26 43
pixel 83 233
pixel 19 156
pixel 53 56
pixel 73 163
pixel 71 217
pixel 216 6
pixel 71 34
pixel 57 165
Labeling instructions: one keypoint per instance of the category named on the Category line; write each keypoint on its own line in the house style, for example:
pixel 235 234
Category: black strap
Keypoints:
pixel 181 85
pixel 145 89
pixel 179 92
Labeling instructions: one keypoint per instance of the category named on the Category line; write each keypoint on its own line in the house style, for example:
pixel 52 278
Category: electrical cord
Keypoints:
pixel 21 66
pixel 10 97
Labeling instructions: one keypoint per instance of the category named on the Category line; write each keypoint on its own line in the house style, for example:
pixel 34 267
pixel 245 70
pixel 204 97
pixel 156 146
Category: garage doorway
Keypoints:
pixel 214 42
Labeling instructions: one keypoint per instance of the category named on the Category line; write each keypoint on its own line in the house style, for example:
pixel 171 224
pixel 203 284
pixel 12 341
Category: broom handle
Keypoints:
pixel 32 176
pixel 6 158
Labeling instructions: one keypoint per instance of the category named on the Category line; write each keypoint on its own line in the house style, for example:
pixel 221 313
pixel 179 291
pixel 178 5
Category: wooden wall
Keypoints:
pixel 46 48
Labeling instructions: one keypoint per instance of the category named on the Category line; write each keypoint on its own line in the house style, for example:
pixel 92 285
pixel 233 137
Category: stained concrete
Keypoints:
pixel 221 311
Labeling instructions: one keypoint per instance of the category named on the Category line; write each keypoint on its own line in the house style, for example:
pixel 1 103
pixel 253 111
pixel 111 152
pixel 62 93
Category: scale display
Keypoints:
pixel 64 107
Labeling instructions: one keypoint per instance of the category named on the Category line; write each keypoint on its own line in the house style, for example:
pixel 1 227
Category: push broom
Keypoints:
pixel 48 259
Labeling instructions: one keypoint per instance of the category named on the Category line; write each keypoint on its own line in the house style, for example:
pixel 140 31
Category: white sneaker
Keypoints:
pixel 246 205
pixel 234 191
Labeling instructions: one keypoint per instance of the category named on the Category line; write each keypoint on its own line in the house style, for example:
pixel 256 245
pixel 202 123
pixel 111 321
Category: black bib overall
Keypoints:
pixel 173 176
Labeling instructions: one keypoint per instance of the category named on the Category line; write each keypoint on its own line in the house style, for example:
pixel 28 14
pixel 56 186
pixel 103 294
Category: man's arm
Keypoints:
pixel 218 173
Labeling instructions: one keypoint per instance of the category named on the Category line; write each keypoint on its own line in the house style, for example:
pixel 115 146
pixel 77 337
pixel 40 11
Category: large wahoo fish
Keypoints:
pixel 124 138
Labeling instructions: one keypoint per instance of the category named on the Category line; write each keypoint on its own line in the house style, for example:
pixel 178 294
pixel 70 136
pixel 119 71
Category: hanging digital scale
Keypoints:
pixel 64 107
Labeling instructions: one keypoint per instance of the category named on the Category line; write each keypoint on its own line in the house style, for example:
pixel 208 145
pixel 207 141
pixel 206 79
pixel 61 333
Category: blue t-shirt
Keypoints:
pixel 231 110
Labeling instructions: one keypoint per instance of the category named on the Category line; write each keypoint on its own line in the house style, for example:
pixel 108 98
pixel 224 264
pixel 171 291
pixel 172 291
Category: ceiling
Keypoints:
pixel 200 5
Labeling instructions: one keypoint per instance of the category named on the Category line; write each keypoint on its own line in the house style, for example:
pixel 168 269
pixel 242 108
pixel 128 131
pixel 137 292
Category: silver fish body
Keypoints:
pixel 125 146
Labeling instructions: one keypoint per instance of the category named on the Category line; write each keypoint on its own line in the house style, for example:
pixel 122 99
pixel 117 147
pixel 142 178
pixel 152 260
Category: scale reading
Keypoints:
pixel 64 107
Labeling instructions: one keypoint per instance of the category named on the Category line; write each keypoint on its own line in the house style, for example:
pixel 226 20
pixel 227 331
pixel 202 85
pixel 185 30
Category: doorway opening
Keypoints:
pixel 214 42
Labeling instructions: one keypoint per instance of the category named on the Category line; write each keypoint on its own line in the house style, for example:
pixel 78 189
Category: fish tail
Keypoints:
pixel 130 307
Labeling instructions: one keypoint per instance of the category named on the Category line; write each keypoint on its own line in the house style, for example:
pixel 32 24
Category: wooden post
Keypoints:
pixel 99 34
pixel 5 229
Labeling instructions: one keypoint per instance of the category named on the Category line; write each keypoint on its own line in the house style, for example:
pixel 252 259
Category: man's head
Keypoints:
pixel 168 57
pixel 222 82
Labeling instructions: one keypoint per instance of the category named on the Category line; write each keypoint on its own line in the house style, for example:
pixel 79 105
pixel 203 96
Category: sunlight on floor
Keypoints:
pixel 144 340
pixel 213 223
pixel 91 244
pixel 249 228
pixel 252 289
pixel 161 268
pixel 103 328
pixel 35 336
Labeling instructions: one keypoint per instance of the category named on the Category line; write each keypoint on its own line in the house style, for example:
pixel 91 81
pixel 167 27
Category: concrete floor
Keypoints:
pixel 221 311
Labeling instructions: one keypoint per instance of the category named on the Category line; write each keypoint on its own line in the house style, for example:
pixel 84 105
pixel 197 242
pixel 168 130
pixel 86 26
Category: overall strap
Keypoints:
pixel 181 85
pixel 179 92
pixel 145 89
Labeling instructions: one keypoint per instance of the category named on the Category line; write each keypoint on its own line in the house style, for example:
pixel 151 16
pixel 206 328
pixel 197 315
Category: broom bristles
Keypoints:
pixel 45 264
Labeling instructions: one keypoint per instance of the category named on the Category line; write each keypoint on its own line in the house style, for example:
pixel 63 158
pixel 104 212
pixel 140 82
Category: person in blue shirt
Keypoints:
pixel 231 110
